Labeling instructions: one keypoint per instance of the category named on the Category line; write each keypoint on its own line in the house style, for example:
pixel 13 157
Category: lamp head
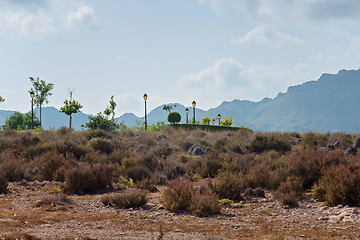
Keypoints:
pixel 194 103
pixel 145 96
pixel 213 121
pixel 219 116
pixel 32 94
pixel 187 110
pixel 82 126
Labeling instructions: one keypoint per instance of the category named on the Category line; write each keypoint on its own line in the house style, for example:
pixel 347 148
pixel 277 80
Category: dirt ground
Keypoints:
pixel 85 217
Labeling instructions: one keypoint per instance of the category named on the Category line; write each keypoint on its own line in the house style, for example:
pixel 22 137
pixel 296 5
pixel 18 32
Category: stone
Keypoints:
pixel 237 149
pixel 357 143
pixel 208 150
pixel 197 151
pixel 161 137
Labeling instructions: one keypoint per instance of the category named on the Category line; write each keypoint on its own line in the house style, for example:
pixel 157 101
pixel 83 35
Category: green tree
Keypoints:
pixel 70 107
pixel 19 121
pixel 42 92
pixel 2 99
pixel 101 121
pixel 226 122
pixel 169 107
pixel 205 121
pixel 174 117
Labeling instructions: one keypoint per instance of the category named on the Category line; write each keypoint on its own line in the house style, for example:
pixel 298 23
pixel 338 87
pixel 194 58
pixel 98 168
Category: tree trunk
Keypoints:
pixel 70 123
pixel 40 116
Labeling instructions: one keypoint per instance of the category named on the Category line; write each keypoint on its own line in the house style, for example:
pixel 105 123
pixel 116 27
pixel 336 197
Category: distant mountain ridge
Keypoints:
pixel 327 104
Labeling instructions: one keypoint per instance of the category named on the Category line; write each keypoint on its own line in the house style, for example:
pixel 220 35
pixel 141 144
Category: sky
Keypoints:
pixel 176 51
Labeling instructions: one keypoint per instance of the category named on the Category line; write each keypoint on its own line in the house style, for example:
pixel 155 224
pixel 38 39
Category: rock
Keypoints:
pixel 161 137
pixel 197 151
pixel 357 143
pixel 259 192
pixel 351 150
pixel 249 193
pixel 237 149
pixel 208 150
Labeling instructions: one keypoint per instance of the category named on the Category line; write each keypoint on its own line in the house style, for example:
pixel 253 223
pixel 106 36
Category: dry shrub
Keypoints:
pixel 99 133
pixel 308 164
pixel 340 185
pixel 64 131
pixel 16 236
pixel 58 199
pixel 85 179
pixel 258 176
pixel 76 149
pixel 137 172
pixel 269 141
pixel 178 195
pixel 133 199
pixel 49 164
pixel 203 205
pixel 33 151
pixel 290 192
pixel 13 168
pixel 3 183
pixel 147 185
pixel 102 145
pixel 312 139
pixel 209 165
pixel 228 185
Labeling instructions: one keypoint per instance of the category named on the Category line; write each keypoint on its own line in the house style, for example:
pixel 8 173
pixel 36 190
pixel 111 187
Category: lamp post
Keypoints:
pixel 187 114
pixel 194 104
pixel 213 121
pixel 145 98
pixel 32 95
pixel 82 127
pixel 219 116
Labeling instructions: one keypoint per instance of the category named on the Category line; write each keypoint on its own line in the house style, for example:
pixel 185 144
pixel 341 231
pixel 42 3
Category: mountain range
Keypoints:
pixel 326 105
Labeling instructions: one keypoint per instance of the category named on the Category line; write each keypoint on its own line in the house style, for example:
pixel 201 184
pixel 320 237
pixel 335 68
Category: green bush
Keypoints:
pixel 174 117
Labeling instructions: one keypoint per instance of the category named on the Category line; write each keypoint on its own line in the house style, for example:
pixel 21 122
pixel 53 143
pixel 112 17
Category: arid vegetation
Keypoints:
pixel 201 171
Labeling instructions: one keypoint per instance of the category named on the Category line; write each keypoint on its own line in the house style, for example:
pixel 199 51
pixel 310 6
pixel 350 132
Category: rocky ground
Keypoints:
pixel 85 217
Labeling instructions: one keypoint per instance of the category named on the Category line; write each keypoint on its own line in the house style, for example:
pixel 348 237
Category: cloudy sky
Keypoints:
pixel 174 50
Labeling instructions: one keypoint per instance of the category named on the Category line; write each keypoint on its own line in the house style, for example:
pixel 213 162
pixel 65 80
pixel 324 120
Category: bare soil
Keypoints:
pixel 87 218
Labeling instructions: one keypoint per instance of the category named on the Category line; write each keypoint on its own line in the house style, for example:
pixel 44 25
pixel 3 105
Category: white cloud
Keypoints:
pixel 229 79
pixel 289 10
pixel 25 18
pixel 268 35
pixel 82 15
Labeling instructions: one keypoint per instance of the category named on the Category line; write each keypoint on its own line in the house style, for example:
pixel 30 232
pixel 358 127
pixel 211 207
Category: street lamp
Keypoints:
pixel 187 114
pixel 32 95
pixel 82 127
pixel 194 104
pixel 213 121
pixel 219 116
pixel 145 98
